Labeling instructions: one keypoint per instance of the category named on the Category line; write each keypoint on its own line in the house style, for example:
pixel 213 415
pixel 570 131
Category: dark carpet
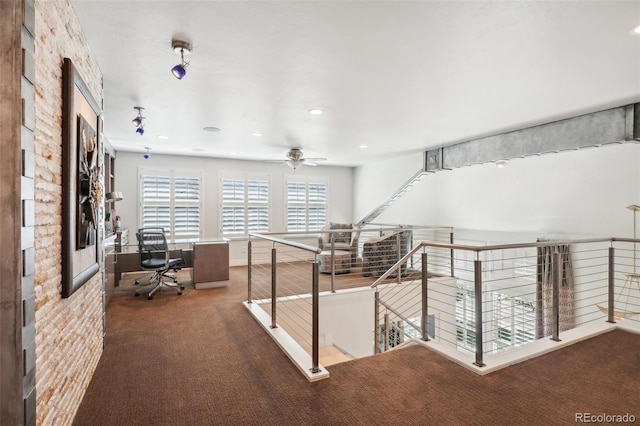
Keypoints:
pixel 201 359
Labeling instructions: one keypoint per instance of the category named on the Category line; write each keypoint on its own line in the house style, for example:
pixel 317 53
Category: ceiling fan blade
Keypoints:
pixel 309 163
pixel 315 159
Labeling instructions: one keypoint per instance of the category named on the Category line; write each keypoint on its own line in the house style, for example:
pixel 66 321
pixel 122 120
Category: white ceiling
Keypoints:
pixel 395 76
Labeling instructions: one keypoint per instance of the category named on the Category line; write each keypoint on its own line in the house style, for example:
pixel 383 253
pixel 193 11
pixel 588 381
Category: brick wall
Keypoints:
pixel 68 331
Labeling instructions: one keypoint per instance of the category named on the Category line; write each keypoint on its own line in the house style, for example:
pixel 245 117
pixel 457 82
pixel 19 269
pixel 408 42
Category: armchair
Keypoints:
pixel 154 255
pixel 344 239
pixel 381 253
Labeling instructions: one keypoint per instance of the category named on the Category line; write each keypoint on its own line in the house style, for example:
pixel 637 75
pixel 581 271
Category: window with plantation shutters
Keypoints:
pixel 171 200
pixel 244 203
pixel 306 203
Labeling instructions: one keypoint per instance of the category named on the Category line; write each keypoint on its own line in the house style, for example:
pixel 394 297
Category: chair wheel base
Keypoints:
pixel 136 294
pixel 136 282
pixel 180 293
pixel 150 298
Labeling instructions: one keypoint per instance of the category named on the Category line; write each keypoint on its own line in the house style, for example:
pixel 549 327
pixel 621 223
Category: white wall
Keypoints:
pixel 127 167
pixel 574 193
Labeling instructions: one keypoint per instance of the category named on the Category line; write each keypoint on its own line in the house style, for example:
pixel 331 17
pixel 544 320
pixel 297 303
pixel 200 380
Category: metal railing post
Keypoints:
pixel 610 303
pixel 425 300
pixel 376 323
pixel 451 255
pixel 386 332
pixel 399 256
pixel 249 300
pixel 555 280
pixel 478 299
pixel 315 326
pixel 333 264
pixel 273 288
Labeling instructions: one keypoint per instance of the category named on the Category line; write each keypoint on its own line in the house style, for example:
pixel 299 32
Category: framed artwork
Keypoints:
pixel 81 181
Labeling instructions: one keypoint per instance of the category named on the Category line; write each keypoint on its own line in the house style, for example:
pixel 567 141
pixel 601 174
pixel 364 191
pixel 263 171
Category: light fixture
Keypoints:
pixel 147 154
pixel 635 30
pixel 181 47
pixel 256 134
pixel 315 111
pixel 211 129
pixel 501 163
pixel 138 121
pixel 364 146
pixel 294 163
pixel 163 137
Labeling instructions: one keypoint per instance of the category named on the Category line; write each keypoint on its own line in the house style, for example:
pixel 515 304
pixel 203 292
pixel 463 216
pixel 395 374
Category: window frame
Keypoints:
pixel 308 205
pixel 245 204
pixel 173 202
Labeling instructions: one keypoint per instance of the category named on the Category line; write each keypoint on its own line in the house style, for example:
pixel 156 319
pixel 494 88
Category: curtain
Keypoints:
pixel 544 290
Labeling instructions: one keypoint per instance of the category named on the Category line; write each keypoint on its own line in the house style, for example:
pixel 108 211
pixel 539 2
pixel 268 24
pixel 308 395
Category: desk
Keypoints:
pixel 210 264
pixel 211 269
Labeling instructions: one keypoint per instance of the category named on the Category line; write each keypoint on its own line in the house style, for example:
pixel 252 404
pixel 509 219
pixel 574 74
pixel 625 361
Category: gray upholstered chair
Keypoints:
pixel 345 238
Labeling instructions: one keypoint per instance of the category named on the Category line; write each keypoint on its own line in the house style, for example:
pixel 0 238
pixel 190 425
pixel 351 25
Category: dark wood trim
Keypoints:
pixel 11 363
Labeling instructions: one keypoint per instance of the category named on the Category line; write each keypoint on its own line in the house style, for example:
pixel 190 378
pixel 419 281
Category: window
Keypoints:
pixel 514 319
pixel 306 203
pixel 171 200
pixel 244 203
pixel 465 318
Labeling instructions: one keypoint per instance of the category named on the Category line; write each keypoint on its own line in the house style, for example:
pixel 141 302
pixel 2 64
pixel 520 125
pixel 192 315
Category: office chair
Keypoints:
pixel 154 255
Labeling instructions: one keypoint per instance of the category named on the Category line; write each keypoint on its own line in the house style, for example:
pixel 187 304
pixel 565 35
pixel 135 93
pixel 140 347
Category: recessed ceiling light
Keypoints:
pixel 256 134
pixel 364 146
pixel 233 153
pixel 163 137
pixel 501 163
pixel 315 111
pixel 211 129
pixel 635 30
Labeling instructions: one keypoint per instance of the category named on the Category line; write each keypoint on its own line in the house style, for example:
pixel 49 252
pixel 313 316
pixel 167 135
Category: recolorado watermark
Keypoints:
pixel 604 418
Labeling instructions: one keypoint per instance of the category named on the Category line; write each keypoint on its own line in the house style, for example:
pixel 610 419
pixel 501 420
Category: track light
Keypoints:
pixel 147 154
pixel 139 121
pixel 181 47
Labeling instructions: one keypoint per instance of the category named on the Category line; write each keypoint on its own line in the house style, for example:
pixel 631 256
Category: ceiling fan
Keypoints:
pixel 295 159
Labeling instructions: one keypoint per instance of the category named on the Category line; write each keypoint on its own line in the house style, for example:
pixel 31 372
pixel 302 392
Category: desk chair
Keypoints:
pixel 154 255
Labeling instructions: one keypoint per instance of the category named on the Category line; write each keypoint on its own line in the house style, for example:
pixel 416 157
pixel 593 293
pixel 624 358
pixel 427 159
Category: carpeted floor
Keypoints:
pixel 201 359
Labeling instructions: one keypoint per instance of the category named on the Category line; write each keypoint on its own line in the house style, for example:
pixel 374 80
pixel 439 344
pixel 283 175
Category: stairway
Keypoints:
pixel 399 193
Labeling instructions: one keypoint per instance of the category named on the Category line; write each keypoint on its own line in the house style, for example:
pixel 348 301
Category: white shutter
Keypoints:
pixel 258 219
pixel 233 220
pixel 171 200
pixel 317 218
pixel 306 205
pixel 245 203
pixel 232 190
pixel 156 189
pixel 318 193
pixel 156 217
pixel 296 192
pixel 186 189
pixel 257 191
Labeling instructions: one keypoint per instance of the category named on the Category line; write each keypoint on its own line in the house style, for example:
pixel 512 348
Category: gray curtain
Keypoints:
pixel 544 290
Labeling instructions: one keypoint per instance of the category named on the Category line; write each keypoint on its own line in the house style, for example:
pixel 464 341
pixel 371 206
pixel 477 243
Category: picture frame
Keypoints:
pixel 81 181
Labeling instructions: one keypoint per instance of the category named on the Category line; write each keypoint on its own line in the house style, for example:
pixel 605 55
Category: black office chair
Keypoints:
pixel 154 255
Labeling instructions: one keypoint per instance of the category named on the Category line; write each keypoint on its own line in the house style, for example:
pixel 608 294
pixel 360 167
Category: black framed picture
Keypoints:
pixel 81 183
